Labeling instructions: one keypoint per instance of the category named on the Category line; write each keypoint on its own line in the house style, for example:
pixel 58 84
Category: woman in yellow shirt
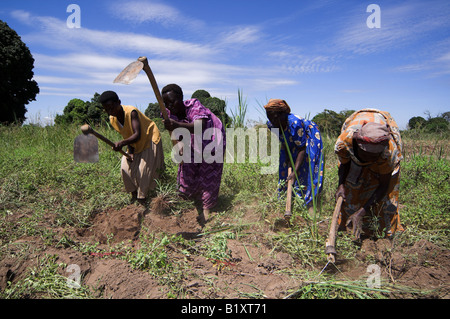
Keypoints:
pixel 143 139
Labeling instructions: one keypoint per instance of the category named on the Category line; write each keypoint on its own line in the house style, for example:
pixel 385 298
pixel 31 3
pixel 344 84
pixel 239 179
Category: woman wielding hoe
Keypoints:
pixel 143 139
pixel 197 179
pixel 369 151
pixel 305 146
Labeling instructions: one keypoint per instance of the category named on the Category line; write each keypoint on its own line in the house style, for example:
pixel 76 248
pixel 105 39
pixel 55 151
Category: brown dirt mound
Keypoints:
pixel 116 226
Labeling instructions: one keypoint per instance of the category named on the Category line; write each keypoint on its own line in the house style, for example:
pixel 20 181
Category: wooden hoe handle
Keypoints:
pixel 289 195
pixel 87 129
pixel 152 79
pixel 329 245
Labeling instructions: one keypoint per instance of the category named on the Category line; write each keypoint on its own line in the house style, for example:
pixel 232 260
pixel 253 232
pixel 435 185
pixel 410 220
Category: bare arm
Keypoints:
pixel 171 124
pixel 136 126
pixel 298 162
pixel 342 175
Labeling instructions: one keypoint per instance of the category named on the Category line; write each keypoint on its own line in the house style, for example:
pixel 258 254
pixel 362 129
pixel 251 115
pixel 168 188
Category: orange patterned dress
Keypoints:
pixel 363 178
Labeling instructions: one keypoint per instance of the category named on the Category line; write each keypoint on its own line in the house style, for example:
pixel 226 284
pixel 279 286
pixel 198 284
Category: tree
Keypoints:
pixel 432 124
pixel 153 111
pixel 17 87
pixel 330 122
pixel 446 116
pixel 416 122
pixel 437 124
pixel 216 105
pixel 79 112
pixel 201 95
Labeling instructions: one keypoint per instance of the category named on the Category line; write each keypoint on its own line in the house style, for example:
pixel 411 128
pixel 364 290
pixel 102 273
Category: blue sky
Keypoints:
pixel 314 54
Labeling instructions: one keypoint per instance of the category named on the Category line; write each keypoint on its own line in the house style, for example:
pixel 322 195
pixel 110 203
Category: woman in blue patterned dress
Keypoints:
pixel 305 145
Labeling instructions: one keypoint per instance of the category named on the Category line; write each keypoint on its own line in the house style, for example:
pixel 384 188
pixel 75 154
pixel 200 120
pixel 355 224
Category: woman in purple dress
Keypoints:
pixel 200 175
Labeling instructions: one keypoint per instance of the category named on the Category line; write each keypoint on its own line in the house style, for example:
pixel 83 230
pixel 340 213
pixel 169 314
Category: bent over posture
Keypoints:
pixel 304 141
pixel 197 178
pixel 369 151
pixel 143 139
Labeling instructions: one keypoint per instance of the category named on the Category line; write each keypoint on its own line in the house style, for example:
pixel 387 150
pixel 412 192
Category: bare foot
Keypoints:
pixel 206 214
pixel 203 217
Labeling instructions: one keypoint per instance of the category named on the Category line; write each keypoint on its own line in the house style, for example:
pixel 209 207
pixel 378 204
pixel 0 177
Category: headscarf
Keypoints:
pixel 373 137
pixel 277 105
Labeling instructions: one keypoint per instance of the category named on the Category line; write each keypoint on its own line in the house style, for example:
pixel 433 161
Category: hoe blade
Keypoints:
pixel 129 73
pixel 85 149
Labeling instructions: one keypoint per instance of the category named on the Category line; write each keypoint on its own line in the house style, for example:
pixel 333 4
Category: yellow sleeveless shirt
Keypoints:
pixel 149 130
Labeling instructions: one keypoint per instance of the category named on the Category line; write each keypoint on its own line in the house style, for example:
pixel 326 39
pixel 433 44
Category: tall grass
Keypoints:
pixel 38 172
pixel 238 116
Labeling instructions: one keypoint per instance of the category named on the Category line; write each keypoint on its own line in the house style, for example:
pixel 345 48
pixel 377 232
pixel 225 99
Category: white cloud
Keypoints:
pixel 54 33
pixel 297 63
pixel 140 12
pixel 445 57
pixel 79 62
pixel 144 11
pixel 242 35
pixel 22 16
pixel 400 25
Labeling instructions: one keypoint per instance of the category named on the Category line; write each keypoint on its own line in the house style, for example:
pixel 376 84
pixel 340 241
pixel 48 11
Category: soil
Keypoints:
pixel 254 270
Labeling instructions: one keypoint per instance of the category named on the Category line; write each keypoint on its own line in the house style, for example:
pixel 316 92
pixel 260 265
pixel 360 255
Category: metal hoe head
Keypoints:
pixel 129 73
pixel 85 149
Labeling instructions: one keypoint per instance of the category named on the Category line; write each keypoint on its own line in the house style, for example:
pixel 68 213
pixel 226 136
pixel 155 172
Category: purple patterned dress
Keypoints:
pixel 200 179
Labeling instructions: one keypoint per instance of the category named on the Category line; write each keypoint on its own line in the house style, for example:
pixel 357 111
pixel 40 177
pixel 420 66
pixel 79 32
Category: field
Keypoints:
pixel 69 230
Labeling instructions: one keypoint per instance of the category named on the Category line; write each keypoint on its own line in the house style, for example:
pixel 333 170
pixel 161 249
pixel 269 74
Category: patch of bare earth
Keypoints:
pixel 255 269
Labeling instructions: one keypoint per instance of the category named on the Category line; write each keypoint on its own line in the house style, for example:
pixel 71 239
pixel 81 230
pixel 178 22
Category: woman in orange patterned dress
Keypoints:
pixel 369 151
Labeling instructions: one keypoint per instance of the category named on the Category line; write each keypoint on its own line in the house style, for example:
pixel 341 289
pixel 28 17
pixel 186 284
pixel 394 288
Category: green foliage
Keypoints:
pixel 438 124
pixel 416 122
pixel 17 87
pixel 238 117
pixel 153 111
pixel 81 112
pixel 330 122
pixel 216 248
pixel 37 171
pixel 152 254
pixel 338 290
pixel 426 190
pixel 216 105
pixel 45 279
pixel 201 95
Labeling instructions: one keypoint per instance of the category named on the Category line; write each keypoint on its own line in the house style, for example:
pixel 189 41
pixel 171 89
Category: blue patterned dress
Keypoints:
pixel 299 133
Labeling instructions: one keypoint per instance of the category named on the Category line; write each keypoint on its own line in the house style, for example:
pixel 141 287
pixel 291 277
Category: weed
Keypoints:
pixel 238 118
pixel 45 281
pixel 215 247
